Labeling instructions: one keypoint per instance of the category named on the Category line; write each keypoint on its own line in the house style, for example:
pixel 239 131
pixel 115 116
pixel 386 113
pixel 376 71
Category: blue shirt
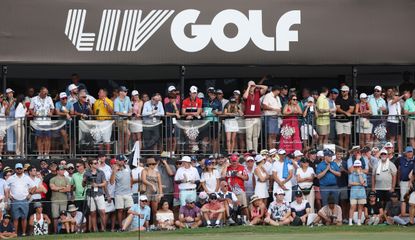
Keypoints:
pixel 357 192
pixel 81 108
pixel 376 104
pixel 405 167
pixel 148 108
pixel 123 106
pixel 209 106
pixel 329 179
pixel 144 211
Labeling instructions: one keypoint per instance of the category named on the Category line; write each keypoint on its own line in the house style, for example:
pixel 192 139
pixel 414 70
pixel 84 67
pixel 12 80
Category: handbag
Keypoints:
pixel 306 191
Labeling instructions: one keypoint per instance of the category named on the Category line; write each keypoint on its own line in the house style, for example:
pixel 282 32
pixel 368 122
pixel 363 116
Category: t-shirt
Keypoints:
pixel 213 206
pixel 9 228
pixel 395 110
pixel 191 106
pixel 278 167
pixel 101 110
pixel 210 180
pixel 83 108
pixel 122 106
pixel 393 208
pixel 41 106
pixel 373 209
pixel 271 101
pixel 405 167
pixel 410 107
pixel 123 182
pixel 168 181
pixel 146 212
pixel 59 181
pixel 209 106
pixel 190 173
pixel 19 186
pixel 236 183
pixel 253 104
pixel 345 105
pixel 189 212
pixel 343 180
pixel 323 104
pixel 357 192
pixel 98 177
pixel 329 179
pixel 299 208
pixel 383 181
pixel 307 174
pixel 60 107
pixel 278 210
pixel 76 180
pixel 376 104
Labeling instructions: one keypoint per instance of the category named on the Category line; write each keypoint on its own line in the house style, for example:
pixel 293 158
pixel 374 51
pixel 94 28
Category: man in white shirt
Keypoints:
pixel 20 188
pixel 282 172
pixel 272 108
pixel 37 182
pixel 187 177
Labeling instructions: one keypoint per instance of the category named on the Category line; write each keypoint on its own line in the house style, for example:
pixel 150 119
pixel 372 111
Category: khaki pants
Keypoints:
pixel 253 129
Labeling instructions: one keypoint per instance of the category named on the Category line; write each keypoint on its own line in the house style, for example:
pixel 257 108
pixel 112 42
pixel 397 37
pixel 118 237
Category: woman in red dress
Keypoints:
pixel 290 130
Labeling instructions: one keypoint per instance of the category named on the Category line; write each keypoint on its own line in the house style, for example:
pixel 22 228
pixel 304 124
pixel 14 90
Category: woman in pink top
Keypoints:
pixel 136 126
pixel 258 210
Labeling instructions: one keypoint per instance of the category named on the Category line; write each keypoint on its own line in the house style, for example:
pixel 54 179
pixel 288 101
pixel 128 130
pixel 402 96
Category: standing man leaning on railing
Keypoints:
pixel 63 109
pixel 104 108
pixel 123 108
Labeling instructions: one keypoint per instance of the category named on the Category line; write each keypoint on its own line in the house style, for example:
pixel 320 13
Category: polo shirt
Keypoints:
pixel 191 106
pixel 101 110
pixel 211 105
pixel 300 208
pixel 376 104
pixel 323 104
pixel 189 212
pixel 233 180
pixel 329 179
pixel 253 104
pixel 410 107
pixel 68 106
pixel 19 186
pixel 81 108
pixel 76 180
pixel 192 175
pixel 271 101
pixel 99 178
pixel 405 167
pixel 146 212
pixel 122 106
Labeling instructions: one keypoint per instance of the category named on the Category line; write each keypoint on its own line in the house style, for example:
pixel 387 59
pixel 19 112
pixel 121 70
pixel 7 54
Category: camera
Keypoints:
pixel 90 179
pixel 233 173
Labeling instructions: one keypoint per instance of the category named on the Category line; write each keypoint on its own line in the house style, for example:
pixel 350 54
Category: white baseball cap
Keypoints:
pixel 171 88
pixel 250 158
pixel 388 145
pixel 63 95
pixel 272 151
pixel 379 88
pixel 237 92
pixel 383 151
pixel 9 90
pixel 320 153
pixel 357 163
pixel 259 158
pixel 345 88
pixel 310 99
pixel 186 159
pixel 201 95
pixel 363 95
pixel 203 195
pixel 134 93
pixel 298 153
pixel 72 87
pixel 281 151
pixel 143 198
pixel 279 191
pixel 193 89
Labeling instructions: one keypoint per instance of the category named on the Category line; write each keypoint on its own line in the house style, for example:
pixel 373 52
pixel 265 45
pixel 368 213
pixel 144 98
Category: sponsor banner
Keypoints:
pixel 188 32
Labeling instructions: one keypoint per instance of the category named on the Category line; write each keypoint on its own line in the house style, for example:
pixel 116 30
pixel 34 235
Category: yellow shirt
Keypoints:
pixel 323 104
pixel 101 110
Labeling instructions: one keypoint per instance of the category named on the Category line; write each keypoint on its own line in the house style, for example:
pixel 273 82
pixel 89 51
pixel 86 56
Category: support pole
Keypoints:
pixel 182 74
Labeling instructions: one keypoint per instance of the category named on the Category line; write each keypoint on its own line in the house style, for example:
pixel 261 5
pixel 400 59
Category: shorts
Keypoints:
pixel 358 201
pixel 242 199
pixel 412 198
pixel 96 201
pixel 123 201
pixel 410 128
pixel 343 127
pixel 20 209
pixel 365 127
pixel 323 129
pixel 136 126
pixel 41 133
pixel 57 207
pixel 272 124
pixel 383 195
pixel 393 129
pixel 306 131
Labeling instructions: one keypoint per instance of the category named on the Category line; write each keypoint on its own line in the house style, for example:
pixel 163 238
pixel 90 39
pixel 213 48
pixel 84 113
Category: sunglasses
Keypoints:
pixel 94 163
pixel 71 168
pixel 19 168
pixel 294 99
pixel 151 164
pixel 143 201
pixel 383 154
pixel 78 166
pixel 377 91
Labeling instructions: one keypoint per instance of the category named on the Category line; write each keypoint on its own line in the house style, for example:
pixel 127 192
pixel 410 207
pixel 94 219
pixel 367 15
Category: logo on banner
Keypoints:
pixel 129 30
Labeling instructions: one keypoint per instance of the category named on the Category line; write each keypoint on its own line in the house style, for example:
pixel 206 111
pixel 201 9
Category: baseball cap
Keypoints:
pixel 345 88
pixel 409 149
pixel 70 165
pixel 171 88
pixel 123 89
pixel 208 162
pixel 193 89
pixel 234 158
pixel 232 99
pixel 298 193
pixel 203 195
pixel 237 92
pixel 313 151
pixel 211 90
pixel 185 159
pixel 249 158
pixel 143 198
pixel 219 91
pixel 113 161
pixel 121 157
pixel 189 200
pixel 328 153
pixel 388 145
pixel 63 95
pixel 272 151
pixel 63 212
pixel 134 93
pixel 259 158
pixel 320 153
pixel 264 152
pixel 213 196
pixel 37 205
pixel 365 149
pixel 334 90
pixel 357 163
pixel 298 153
pixel 61 167
pixel 375 149
pixel 394 194
pixel 72 87
pixel 310 99
pixel 7 216
pixel 372 193
pixel 201 95
pixel 331 200
pixel 379 88
pixel 193 158
pixel 303 160
pixel 383 151
pixel 18 165
pixel 363 95
pixel 281 151
pixel 279 192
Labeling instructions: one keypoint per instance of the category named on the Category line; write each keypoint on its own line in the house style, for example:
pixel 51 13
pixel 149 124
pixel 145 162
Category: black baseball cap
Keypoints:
pixel 372 193
pixel 213 196
pixel 298 193
pixel 394 194
pixel 7 216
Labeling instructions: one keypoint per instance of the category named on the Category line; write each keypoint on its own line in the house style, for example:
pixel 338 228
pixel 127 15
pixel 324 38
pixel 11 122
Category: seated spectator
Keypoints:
pixel 392 209
pixel 80 219
pixel 330 214
pixel 279 212
pixel 213 211
pixel 258 211
pixel 138 216
pixel 300 211
pixel 7 229
pixel 357 183
pixel 67 223
pixel 165 217
pixel 373 210
pixel 39 222
pixel 403 218
pixel 229 199
pixel 189 215
pixel 203 199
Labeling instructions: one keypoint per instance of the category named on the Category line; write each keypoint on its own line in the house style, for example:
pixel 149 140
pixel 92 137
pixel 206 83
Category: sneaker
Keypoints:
pixel 47 157
pixel 209 226
pixel 217 225
pixel 231 221
pixel 39 157
pixel 359 224
pixel 350 223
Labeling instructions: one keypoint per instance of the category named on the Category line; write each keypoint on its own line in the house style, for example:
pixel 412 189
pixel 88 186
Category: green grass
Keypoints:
pixel 258 233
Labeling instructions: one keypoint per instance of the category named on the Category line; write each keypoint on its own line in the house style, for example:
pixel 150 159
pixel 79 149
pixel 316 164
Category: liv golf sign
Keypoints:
pixel 129 30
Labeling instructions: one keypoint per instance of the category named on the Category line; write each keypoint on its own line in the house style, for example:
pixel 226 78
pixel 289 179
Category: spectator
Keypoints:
pixel 284 95
pixel 47 200
pixel 172 90
pixel 229 200
pixel 110 206
pixel 95 183
pixel 3 124
pixel 384 178
pixel 282 172
pixel 231 111
pixel 192 106
pixel 300 211
pixel 66 223
pixel 404 216
pixel 152 112
pixel 173 114
pixel 327 173
pixel 39 222
pixel 75 83
pixel 405 165
pixel 364 111
pixel 395 112
pixel 167 172
pixel 356 154
pixel 343 182
pixel 212 108
pixel 72 94
pixel 79 217
pixel 37 182
pixel 378 107
pixel 4 197
pixel 279 212
pixel 219 96
pixel 7 230
pixel 63 109
pixel 138 216
pixel 272 109
pixel 42 107
pixel 103 108
pixel 250 185
pixel 210 178
pixel 411 201
pixel 357 184
pixel 290 130
pixel 121 177
pixel 331 214
pixel 20 188
pixel 82 108
pixel 305 176
pixel 152 184
pixel 187 177
pixel 10 113
pixel 213 212
pixel 308 121
pixel 373 210
pixel 20 115
pixel 136 126
pixel 323 116
pixel 409 109
pixel 165 217
pixel 189 215
pixel 392 209
pixel 252 113
pixel 345 108
pixel 261 179
pixel 77 185
pixel 258 211
pixel 59 185
pixel 333 95
pixel 123 109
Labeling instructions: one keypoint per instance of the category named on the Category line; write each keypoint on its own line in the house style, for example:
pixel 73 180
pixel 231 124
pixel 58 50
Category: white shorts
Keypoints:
pixel 364 126
pixel 412 198
pixel 123 201
pixel 343 128
pixel 96 201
